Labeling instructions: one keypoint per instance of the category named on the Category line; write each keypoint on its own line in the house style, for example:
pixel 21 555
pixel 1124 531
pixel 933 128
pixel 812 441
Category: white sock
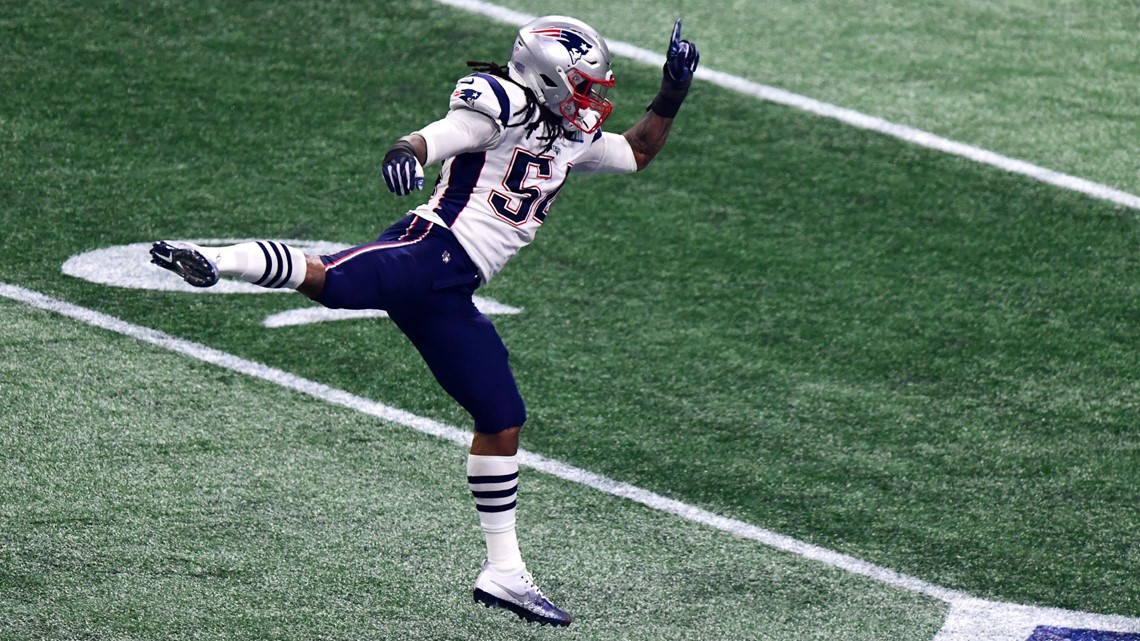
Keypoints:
pixel 494 482
pixel 264 262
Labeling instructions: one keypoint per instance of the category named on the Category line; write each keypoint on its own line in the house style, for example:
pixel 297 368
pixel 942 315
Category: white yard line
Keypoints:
pixel 969 617
pixel 846 116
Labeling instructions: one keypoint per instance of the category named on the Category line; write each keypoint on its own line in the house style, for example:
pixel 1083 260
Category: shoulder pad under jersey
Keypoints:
pixel 483 93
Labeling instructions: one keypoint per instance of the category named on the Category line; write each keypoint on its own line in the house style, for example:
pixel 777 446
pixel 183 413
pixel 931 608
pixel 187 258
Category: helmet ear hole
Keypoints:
pixel 548 80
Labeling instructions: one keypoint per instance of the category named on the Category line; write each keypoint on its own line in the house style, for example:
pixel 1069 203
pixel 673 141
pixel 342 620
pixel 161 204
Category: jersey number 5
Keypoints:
pixel 523 201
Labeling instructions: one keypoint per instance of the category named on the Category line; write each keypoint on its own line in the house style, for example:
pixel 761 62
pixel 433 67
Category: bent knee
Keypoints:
pixel 314 282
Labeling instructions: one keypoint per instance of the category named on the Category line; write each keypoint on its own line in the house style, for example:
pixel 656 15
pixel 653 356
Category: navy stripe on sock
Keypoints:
pixel 495 494
pixel 268 264
pixel 492 479
pixel 274 282
pixel 288 266
pixel 496 508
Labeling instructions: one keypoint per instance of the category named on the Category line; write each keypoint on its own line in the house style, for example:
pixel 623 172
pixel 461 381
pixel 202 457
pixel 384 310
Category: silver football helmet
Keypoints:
pixel 566 63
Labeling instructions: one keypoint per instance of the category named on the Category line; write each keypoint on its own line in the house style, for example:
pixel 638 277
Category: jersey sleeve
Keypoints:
pixel 461 131
pixel 609 153
pixel 485 94
pixel 479 110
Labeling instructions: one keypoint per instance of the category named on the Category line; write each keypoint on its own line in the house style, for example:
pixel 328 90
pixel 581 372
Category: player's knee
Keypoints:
pixel 505 413
pixel 314 283
pixel 502 443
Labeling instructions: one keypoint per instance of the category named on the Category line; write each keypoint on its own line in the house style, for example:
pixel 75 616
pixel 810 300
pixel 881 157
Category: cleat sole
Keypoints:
pixel 192 266
pixel 492 601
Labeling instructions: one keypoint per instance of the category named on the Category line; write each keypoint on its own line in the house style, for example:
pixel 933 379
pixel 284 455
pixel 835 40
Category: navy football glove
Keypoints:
pixel 402 170
pixel 680 63
pixel 680 60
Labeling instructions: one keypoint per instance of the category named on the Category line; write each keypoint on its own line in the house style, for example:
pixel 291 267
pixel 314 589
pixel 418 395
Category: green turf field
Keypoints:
pixel 921 362
pixel 1047 81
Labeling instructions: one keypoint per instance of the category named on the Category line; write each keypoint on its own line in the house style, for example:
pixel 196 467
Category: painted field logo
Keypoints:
pixel 129 266
pixel 1046 633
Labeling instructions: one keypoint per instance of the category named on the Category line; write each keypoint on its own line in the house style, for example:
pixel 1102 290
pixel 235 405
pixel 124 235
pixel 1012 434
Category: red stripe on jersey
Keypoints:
pixel 364 249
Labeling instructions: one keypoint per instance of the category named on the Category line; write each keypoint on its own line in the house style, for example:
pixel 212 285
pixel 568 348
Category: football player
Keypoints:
pixel 507 143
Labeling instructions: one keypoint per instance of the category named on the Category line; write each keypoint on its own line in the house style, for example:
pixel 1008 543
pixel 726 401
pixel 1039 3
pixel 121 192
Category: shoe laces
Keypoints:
pixel 528 580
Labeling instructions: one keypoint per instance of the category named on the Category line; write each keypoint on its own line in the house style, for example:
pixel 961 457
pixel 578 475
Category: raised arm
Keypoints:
pixel 648 136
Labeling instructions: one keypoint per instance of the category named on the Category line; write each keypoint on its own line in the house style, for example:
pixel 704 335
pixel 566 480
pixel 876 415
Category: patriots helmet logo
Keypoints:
pixel 468 96
pixel 575 44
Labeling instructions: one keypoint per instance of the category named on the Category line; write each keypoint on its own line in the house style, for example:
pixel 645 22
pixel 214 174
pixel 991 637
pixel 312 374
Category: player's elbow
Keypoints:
pixel 646 139
pixel 642 154
pixel 642 160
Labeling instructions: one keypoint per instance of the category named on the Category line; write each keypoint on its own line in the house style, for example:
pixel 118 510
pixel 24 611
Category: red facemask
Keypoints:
pixel 587 108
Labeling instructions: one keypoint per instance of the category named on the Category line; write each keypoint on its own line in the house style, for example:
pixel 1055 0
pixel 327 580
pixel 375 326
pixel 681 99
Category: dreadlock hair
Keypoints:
pixel 533 113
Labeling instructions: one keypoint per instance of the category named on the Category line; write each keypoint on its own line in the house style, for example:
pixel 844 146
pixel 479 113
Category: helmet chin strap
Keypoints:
pixel 588 117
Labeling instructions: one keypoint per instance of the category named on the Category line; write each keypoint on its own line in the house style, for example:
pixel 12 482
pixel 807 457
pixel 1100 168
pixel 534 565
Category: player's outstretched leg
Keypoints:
pixel 264 262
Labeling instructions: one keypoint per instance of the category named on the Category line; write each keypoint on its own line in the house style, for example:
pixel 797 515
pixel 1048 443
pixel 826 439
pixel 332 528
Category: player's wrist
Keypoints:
pixel 402 147
pixel 668 100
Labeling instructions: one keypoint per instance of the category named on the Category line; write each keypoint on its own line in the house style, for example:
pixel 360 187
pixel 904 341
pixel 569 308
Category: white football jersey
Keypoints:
pixel 496 197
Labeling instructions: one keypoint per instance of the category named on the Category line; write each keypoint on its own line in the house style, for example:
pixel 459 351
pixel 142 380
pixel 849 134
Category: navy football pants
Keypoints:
pixel 419 273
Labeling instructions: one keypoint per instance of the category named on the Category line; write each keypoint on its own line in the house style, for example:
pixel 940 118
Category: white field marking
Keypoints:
pixel 846 116
pixel 310 315
pixel 118 266
pixel 970 619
